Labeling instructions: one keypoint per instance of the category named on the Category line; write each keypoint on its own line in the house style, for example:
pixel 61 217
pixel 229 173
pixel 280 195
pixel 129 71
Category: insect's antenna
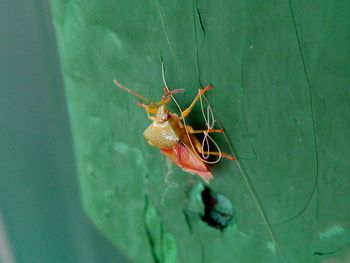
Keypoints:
pixel 121 86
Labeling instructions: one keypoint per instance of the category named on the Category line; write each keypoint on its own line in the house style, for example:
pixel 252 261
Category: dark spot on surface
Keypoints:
pixel 218 210
pixel 327 253
pixel 203 204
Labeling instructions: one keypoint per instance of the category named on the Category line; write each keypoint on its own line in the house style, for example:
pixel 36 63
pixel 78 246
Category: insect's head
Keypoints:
pixel 162 114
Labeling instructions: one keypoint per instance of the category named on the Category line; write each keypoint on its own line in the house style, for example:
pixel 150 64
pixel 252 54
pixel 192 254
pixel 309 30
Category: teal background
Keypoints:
pixel 41 216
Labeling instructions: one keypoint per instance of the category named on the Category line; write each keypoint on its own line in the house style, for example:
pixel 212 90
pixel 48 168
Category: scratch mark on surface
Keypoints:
pixel 188 222
pixel 242 72
pixel 201 21
pixel 167 38
pixel 311 110
pixel 202 253
pixel 195 7
pixel 243 90
pixel 327 253
pixel 290 94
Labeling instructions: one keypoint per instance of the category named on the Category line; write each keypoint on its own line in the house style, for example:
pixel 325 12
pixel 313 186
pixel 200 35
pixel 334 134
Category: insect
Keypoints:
pixel 169 132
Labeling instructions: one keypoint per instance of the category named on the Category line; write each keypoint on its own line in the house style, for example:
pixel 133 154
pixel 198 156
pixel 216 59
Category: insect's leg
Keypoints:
pixel 224 155
pixel 201 92
pixel 192 131
pixel 148 110
pixel 198 146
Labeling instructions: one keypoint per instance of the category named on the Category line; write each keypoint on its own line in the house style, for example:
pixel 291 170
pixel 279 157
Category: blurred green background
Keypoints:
pixel 41 218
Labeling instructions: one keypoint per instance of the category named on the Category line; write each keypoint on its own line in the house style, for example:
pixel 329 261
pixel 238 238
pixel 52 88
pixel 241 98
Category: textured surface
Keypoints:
pixel 281 76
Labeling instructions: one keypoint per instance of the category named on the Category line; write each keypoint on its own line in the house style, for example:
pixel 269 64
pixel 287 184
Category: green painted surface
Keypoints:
pixel 282 78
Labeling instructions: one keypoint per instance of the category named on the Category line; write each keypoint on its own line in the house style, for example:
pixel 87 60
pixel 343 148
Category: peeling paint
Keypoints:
pixel 331 232
pixel 135 153
pixel 121 147
pixel 271 246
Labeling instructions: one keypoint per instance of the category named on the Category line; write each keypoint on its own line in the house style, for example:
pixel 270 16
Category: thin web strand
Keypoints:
pixel 253 194
pixel 185 125
pixel 210 125
pixel 168 183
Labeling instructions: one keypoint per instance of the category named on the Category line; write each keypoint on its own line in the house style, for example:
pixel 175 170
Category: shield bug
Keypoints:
pixel 169 132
